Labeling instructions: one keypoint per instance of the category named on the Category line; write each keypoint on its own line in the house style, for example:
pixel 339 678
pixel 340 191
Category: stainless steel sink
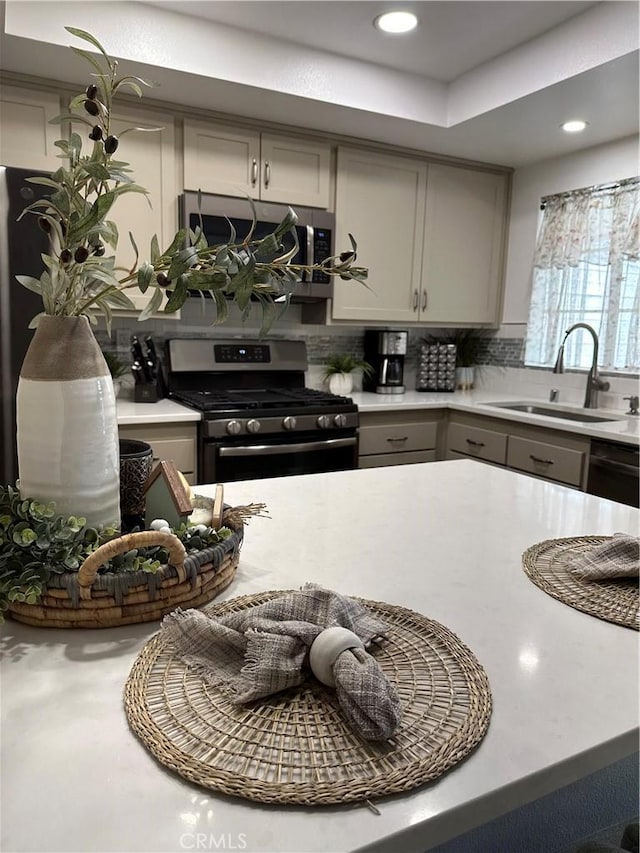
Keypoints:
pixel 566 414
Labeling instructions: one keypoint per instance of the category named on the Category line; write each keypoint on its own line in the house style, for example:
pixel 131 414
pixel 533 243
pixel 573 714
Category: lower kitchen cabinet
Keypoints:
pixel 175 443
pixel 398 438
pixel 541 452
pixel 487 445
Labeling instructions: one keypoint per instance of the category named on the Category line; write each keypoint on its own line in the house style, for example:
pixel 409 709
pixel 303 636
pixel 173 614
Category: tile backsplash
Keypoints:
pixel 501 365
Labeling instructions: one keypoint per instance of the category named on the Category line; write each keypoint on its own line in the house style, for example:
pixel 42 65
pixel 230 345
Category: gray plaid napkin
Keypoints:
pixel 618 557
pixel 261 650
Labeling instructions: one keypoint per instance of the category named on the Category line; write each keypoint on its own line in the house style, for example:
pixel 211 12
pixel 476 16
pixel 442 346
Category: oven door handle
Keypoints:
pixel 271 449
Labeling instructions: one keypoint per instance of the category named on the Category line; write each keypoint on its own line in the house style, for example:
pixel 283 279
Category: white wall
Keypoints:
pixel 605 163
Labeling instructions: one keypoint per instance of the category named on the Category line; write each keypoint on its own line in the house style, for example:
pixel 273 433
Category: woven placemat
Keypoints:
pixel 611 600
pixel 296 746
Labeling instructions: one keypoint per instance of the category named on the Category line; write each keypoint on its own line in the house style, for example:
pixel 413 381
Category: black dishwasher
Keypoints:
pixel 613 472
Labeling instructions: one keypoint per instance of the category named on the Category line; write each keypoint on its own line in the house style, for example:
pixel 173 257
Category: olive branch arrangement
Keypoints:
pixel 81 279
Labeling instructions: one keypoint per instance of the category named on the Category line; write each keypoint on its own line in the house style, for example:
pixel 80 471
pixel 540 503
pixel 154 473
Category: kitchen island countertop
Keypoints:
pixel 429 537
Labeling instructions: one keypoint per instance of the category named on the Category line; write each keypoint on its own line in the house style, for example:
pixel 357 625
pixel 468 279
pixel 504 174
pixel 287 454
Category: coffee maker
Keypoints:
pixel 385 352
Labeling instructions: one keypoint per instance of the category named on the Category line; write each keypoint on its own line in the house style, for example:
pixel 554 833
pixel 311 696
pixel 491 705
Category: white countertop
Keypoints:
pixel 429 537
pixel 625 429
pixel 162 412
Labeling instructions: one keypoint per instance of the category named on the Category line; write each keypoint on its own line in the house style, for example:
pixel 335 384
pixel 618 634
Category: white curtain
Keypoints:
pixel 587 269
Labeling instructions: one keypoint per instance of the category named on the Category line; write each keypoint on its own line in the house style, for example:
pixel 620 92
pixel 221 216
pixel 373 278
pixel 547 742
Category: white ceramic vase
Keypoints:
pixel 465 377
pixel 67 431
pixel 341 383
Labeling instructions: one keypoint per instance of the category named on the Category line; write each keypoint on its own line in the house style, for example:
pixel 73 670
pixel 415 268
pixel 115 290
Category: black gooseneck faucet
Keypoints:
pixel 594 383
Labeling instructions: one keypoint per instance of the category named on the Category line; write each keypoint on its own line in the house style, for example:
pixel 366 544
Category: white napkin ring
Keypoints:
pixel 326 648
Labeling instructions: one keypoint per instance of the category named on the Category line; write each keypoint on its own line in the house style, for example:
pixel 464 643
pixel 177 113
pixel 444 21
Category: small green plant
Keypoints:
pixel 36 544
pixel 468 345
pixel 346 363
pixel 117 367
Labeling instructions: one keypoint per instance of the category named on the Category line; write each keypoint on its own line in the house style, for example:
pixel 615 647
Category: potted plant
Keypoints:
pixel 117 368
pixel 468 345
pixel 72 459
pixel 338 372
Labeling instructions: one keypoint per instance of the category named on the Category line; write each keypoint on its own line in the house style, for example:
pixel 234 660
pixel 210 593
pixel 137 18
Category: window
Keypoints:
pixel 587 270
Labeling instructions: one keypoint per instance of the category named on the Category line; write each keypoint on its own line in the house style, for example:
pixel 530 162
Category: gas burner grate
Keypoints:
pixel 213 400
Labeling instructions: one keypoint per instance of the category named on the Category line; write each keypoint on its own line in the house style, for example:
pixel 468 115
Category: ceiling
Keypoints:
pixel 452 37
pixel 487 81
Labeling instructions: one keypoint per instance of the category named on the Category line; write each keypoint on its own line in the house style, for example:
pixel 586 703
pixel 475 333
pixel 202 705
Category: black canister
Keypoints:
pixel 136 462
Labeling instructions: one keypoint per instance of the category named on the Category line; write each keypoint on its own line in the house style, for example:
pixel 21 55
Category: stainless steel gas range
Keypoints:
pixel 259 419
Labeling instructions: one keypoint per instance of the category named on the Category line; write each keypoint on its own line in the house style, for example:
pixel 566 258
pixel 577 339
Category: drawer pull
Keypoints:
pixel 540 460
pixel 475 443
pixel 399 440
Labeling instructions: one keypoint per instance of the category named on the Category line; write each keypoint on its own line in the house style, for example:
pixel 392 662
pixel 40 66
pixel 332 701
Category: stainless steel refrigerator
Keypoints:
pixel 21 244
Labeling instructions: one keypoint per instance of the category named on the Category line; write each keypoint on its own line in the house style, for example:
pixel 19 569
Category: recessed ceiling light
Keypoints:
pixel 396 22
pixel 574 126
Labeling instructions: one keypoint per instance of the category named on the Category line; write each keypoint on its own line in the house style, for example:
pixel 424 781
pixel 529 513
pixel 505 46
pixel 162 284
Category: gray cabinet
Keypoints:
pixel 27 139
pixel 398 438
pixel 243 162
pixel 464 239
pixel 380 200
pixel 152 157
pixel 432 237
pixel 171 442
pixel 546 453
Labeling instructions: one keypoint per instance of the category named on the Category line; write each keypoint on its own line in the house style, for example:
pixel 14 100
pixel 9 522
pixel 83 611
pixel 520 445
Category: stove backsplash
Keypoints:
pixel 321 341
pixel 501 354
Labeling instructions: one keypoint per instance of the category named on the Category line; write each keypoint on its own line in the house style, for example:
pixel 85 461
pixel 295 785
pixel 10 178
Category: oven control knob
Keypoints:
pixel 289 422
pixel 340 420
pixel 253 425
pixel 233 427
pixel 324 421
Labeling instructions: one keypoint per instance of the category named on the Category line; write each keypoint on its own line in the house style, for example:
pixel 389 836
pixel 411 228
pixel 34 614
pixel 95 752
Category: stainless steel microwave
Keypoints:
pixel 315 231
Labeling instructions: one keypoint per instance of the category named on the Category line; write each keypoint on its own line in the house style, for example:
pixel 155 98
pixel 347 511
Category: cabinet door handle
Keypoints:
pixel 254 172
pixel 399 440
pixel 267 173
pixel 416 300
pixel 474 443
pixel 540 460
pixel 424 300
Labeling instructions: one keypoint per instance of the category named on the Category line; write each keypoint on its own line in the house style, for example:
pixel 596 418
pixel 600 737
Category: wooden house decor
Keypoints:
pixel 166 496
pixel 209 511
pixel 218 507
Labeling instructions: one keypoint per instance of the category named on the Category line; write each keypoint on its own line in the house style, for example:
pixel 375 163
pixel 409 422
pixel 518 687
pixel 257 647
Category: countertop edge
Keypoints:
pixel 625 429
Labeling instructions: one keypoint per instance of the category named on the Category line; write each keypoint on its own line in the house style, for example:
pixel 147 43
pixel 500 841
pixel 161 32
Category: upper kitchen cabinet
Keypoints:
pixel 230 161
pixel 153 160
pixel 27 140
pixel 431 235
pixel 381 200
pixel 464 237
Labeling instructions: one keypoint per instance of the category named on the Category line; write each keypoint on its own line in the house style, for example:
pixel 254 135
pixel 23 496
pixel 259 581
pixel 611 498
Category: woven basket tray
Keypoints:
pixel 86 599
